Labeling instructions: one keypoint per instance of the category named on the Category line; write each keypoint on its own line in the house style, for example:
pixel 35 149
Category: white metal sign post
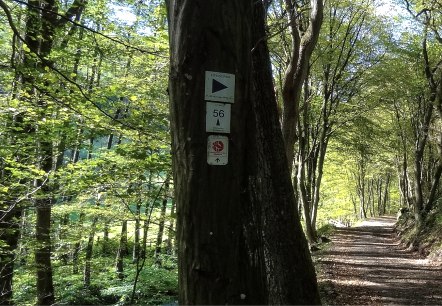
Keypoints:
pixel 217 150
pixel 217 117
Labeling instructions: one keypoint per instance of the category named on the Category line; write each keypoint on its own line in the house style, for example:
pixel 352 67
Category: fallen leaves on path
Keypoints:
pixel 366 265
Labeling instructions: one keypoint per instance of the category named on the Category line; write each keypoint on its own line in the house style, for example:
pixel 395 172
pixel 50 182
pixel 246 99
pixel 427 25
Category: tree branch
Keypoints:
pixel 51 66
pixel 74 10
pixel 9 17
pixel 25 197
pixel 157 53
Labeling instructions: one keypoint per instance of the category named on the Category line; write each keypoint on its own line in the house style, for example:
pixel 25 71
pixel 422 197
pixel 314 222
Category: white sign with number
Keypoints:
pixel 217 150
pixel 217 117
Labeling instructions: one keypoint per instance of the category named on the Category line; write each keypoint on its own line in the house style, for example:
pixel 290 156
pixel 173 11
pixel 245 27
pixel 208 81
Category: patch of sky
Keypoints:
pixel 125 15
pixel 395 13
pixel 122 14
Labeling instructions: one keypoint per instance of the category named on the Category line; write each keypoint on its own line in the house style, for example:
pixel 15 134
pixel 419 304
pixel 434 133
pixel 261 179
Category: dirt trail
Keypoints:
pixel 366 265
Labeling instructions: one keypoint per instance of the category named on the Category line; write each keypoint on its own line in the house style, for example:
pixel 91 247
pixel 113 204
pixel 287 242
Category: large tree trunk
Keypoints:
pixel 239 235
pixel 289 270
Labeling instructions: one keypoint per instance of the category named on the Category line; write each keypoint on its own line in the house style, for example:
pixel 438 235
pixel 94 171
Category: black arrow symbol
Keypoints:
pixel 217 160
pixel 217 122
pixel 217 86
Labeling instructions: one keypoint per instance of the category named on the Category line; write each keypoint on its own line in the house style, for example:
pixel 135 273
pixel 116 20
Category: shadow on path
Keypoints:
pixel 366 265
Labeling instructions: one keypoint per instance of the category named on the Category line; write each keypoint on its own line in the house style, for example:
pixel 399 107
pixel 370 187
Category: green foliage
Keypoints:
pixel 101 103
pixel 157 286
pixel 326 230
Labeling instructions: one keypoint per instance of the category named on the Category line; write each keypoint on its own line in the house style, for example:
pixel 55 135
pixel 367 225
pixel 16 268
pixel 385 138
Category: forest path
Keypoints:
pixel 366 265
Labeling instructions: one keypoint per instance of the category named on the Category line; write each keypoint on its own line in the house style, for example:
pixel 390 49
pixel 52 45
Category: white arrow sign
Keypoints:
pixel 217 117
pixel 217 150
pixel 219 87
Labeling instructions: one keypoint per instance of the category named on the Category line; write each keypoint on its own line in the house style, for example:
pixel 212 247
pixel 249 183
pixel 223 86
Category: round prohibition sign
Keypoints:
pixel 218 146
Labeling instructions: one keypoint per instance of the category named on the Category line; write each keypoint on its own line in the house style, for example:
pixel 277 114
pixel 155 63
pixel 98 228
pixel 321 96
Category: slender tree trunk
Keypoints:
pixel 171 231
pixel 401 186
pixel 105 246
pixel 162 220
pixel 362 197
pixel 122 251
pixel 407 198
pixel 12 214
pixel 303 44
pixel 418 195
pixel 148 210
pixel 386 194
pixel 75 253
pixel 369 193
pixel 422 132
pixel 24 232
pixel 354 202
pixel 306 171
pixel 320 171
pixel 136 247
pixel 434 187
pixel 77 247
pixel 310 233
pixel 45 288
pixel 88 257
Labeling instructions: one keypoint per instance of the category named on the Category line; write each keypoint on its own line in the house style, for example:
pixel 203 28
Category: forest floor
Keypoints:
pixel 367 265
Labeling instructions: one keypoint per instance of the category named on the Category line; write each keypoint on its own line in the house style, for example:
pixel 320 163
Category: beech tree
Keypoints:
pixel 427 175
pixel 304 36
pixel 239 234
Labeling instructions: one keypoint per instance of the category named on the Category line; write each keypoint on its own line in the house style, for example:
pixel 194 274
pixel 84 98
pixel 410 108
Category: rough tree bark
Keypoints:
pixel 290 274
pixel 239 235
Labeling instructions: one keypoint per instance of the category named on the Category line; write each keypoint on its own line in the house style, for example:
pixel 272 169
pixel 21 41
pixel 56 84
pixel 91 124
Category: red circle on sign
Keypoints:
pixel 218 146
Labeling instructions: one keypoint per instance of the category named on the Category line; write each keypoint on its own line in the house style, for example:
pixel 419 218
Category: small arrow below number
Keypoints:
pixel 217 160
